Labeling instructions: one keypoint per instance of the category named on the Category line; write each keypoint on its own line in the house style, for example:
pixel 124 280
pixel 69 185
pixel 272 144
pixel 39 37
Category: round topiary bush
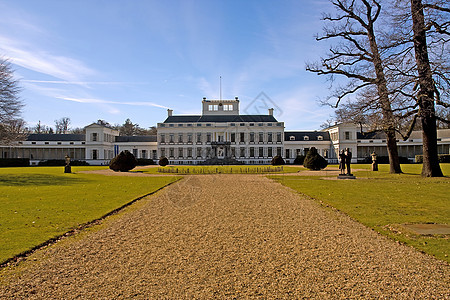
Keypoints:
pixel 123 162
pixel 277 160
pixel 314 161
pixel 163 161
pixel 299 160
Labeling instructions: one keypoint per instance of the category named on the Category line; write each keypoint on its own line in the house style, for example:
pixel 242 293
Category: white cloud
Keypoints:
pixel 101 101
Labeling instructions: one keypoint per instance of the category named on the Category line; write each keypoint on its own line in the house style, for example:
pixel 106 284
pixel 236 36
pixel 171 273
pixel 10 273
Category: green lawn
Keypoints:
pixel 237 169
pixel 39 203
pixel 382 201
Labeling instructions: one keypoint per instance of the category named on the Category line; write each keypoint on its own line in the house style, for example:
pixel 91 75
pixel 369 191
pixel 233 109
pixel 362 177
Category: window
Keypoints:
pixel 261 152
pixel 71 143
pixel 252 137
pixel 199 137
pixel 94 136
pixel 162 138
pixel 213 107
pixel 199 152
pixel 189 150
pixel 33 143
pixel 325 153
pixel 171 152
pixel 180 138
pixel 269 152
pixel 261 137
pixel 269 124
pixel 208 125
pixel 144 154
pixel 135 152
pixel 171 138
pixel 180 125
pixel 252 151
pixel 170 125
pixel 162 125
pixel 208 137
pixel 233 152
pixel 189 125
pixel 260 124
pixel 292 138
pixel 180 152
pixel 278 137
pixel 59 143
pixel 320 138
pixel 251 124
pixel 305 151
pixel 232 124
pixel 163 152
pixel 242 137
pixel 228 107
pixel 233 137
pixel 94 154
pixel 242 152
pixel 154 154
pixel 242 124
pixel 348 135
pixel 46 143
pixel 199 125
pixel 189 138
pixel 279 124
pixel 279 151
pixel 287 153
pixel 306 138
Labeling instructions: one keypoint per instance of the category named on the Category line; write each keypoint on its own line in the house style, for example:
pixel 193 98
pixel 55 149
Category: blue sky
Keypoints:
pixel 119 59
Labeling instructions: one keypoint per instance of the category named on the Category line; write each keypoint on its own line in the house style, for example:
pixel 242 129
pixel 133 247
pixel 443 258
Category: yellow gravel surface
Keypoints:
pixel 229 237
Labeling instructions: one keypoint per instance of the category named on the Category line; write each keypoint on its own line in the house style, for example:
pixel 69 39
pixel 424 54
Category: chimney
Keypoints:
pixel 169 112
pixel 236 98
pixel 270 111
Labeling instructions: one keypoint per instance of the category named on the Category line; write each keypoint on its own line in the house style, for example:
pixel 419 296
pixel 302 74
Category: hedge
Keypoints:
pixel 14 162
pixel 62 162
pixel 443 158
pixel 145 161
pixel 384 160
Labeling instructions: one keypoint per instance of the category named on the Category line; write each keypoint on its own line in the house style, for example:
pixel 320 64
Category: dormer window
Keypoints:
pixel 292 138
pixel 320 138
pixel 306 138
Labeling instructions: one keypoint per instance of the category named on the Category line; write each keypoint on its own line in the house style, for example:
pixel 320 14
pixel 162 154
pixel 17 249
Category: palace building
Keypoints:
pixel 220 135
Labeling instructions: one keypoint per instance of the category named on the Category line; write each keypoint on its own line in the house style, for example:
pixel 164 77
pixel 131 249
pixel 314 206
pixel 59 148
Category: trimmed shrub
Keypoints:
pixel 145 161
pixel 14 162
pixel 443 158
pixel 123 162
pixel 299 160
pixel 163 161
pixel 61 163
pixel 314 161
pixel 277 161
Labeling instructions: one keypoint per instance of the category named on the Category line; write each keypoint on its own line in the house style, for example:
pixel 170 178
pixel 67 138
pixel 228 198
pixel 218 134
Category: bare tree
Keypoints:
pixel 62 125
pixel 10 105
pixel 357 57
pixel 428 93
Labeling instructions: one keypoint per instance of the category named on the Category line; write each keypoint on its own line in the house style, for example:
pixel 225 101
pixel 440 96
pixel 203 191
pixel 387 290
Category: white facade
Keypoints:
pixel 219 135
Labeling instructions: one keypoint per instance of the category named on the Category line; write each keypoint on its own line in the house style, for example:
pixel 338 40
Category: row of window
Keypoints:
pixel 233 137
pixel 306 138
pixel 335 135
pixel 56 143
pixel 215 107
pixel 106 137
pixel 241 152
pixel 210 124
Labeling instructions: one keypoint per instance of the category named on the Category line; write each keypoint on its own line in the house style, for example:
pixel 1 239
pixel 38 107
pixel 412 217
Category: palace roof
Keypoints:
pixel 220 119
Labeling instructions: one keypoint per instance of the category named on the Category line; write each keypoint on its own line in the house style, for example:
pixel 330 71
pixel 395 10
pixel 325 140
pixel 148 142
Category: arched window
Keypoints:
pixel 320 138
pixel 292 138
pixel 306 138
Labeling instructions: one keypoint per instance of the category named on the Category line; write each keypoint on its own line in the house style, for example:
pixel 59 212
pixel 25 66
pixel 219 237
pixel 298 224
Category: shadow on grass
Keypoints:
pixel 38 180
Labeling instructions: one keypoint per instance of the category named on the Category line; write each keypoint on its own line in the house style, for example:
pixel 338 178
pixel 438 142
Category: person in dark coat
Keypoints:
pixel 342 161
pixel 348 160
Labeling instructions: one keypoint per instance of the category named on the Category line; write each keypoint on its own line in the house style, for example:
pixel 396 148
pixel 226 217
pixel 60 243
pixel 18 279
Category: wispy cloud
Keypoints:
pixel 101 101
pixel 33 58
pixel 83 82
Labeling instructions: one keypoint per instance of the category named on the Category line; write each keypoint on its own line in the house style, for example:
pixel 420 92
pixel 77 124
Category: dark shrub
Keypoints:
pixel 299 160
pixel 314 161
pixel 443 158
pixel 277 161
pixel 163 161
pixel 14 162
pixel 62 162
pixel 145 161
pixel 123 162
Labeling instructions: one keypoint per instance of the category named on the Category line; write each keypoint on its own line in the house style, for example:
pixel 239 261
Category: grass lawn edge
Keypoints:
pixel 24 254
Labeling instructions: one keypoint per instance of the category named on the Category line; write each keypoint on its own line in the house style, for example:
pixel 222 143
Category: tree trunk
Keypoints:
pixel 431 167
pixel 383 93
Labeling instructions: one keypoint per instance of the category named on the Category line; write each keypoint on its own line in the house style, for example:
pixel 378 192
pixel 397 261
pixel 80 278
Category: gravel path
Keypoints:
pixel 228 236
